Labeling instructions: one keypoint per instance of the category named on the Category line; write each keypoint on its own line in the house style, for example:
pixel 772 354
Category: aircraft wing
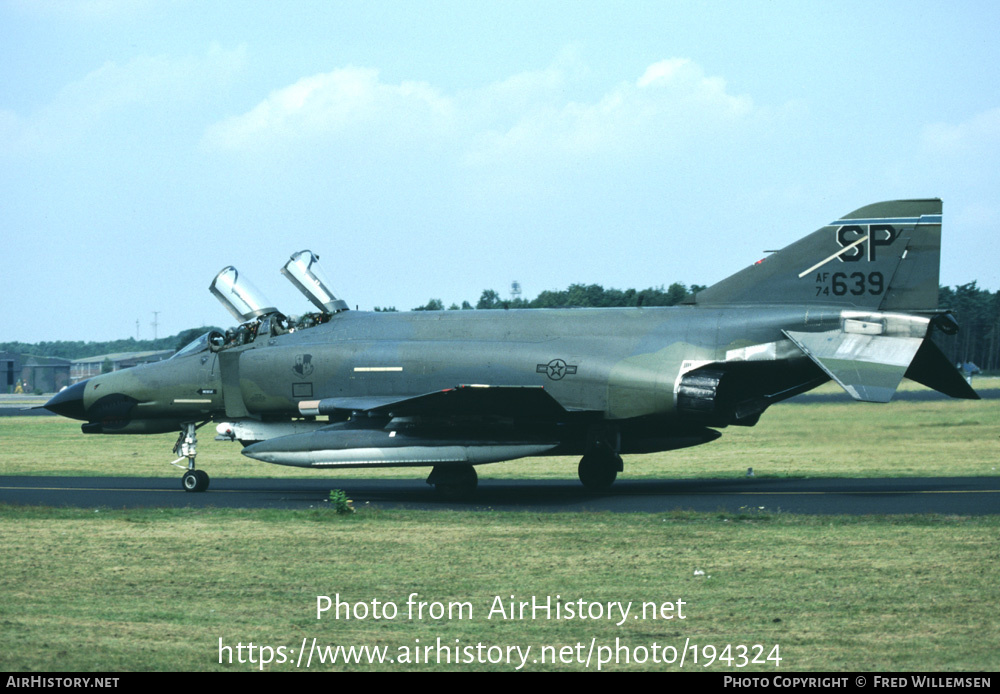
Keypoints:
pixel 467 400
pixel 416 430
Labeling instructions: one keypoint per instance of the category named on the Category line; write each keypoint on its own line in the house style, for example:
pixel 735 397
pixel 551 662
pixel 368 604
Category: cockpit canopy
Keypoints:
pixel 239 296
pixel 304 272
pixel 257 316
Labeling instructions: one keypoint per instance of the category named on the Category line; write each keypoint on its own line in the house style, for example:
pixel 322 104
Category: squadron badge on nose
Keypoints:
pixel 303 365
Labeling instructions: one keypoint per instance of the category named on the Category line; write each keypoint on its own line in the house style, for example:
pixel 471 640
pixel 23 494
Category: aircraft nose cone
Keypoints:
pixel 69 402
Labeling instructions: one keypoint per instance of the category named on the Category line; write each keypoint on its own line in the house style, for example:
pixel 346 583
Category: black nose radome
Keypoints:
pixel 69 402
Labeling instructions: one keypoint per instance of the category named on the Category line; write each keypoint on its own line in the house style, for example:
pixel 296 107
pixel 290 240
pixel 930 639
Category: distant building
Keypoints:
pixel 93 366
pixel 42 374
pixel 10 370
pixel 45 374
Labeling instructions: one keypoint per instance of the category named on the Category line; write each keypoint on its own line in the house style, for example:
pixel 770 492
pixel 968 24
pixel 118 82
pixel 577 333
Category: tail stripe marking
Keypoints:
pixel 923 219
pixel 834 256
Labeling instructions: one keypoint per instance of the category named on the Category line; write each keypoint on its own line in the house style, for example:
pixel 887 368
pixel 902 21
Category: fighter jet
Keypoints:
pixel 855 301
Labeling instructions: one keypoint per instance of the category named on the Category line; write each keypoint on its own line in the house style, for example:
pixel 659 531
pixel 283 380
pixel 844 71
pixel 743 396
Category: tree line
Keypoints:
pixel 77 349
pixel 978 314
pixel 575 296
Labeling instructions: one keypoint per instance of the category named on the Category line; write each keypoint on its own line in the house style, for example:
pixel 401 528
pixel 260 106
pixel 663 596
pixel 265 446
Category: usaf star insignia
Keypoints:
pixel 556 369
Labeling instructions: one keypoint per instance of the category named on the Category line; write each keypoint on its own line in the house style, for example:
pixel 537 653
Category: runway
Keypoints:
pixel 942 495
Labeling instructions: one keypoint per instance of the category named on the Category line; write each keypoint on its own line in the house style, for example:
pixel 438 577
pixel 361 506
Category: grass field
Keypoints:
pixel 157 589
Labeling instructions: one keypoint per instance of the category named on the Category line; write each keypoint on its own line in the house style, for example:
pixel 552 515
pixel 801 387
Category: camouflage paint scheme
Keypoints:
pixel 854 301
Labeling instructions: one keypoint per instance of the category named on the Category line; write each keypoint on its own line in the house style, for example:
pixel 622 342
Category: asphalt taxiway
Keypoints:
pixel 942 495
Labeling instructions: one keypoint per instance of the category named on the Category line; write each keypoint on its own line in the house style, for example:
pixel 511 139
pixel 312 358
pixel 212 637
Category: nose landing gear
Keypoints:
pixel 186 447
pixel 195 481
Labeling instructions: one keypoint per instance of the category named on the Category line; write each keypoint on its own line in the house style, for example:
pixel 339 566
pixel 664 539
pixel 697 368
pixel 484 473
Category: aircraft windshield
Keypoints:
pixel 199 344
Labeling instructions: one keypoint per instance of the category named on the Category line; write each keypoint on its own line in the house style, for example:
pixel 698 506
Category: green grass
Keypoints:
pixel 157 589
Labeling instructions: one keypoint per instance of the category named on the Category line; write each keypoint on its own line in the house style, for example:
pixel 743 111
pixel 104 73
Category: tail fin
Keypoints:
pixel 879 266
pixel 883 256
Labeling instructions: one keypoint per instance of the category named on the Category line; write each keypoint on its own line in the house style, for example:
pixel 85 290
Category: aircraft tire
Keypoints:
pixel 195 481
pixel 598 472
pixel 454 482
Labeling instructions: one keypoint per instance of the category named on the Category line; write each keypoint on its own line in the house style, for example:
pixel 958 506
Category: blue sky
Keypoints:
pixel 436 149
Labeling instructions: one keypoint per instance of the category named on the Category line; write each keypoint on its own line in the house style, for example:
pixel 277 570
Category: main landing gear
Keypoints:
pixel 599 469
pixel 195 481
pixel 186 447
pixel 453 481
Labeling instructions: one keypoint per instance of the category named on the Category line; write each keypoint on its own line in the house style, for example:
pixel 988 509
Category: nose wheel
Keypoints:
pixel 195 481
pixel 186 447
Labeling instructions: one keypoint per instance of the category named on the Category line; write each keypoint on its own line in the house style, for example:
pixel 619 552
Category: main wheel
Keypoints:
pixel 195 481
pixel 454 482
pixel 598 471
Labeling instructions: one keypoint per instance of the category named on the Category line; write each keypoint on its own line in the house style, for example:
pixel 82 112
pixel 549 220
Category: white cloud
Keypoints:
pixel 331 104
pixel 145 87
pixel 671 105
pixel 680 81
pixel 525 118
pixel 663 71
